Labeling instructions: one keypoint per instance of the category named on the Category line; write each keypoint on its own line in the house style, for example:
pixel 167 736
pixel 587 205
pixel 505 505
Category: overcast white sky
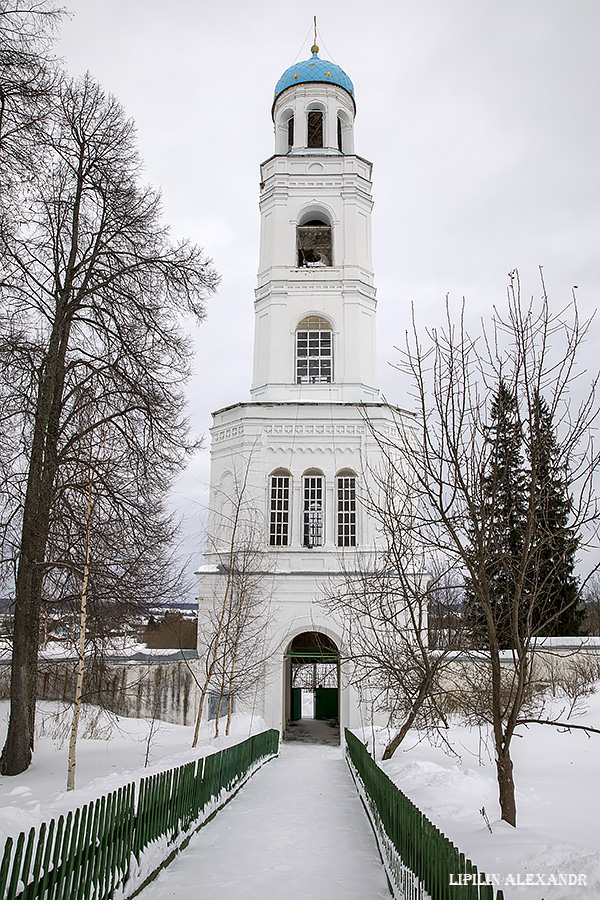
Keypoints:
pixel 482 119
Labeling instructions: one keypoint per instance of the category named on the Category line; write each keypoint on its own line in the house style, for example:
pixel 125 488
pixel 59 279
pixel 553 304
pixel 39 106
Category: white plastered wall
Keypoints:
pixel 252 440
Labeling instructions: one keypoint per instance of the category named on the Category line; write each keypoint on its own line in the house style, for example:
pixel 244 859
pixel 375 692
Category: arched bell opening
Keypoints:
pixel 312 688
pixel 314 241
pixel 345 142
pixel 315 125
pixel 285 131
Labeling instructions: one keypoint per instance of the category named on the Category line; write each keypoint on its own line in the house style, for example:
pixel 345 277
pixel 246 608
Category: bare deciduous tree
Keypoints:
pixel 244 658
pixel 455 378
pixel 27 78
pixel 232 624
pixel 242 653
pixel 382 601
pixel 93 292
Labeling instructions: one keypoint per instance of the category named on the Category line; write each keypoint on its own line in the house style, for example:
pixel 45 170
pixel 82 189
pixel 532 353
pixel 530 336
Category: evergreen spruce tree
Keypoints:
pixel 547 597
pixel 554 542
pixel 498 546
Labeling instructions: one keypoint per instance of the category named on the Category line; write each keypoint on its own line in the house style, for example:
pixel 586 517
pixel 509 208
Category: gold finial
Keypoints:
pixel 315 46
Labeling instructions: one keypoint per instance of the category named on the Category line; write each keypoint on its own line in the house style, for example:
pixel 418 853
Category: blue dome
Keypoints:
pixel 313 69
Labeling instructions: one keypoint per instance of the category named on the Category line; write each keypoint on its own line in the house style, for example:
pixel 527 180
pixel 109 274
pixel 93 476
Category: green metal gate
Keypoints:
pixel 296 704
pixel 326 705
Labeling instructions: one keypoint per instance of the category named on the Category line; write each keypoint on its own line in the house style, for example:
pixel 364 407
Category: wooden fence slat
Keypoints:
pixel 86 854
pixel 106 847
pixel 30 889
pixel 4 865
pixel 97 831
pixel 62 842
pixel 16 865
pixel 51 870
pixel 75 875
pixel 69 861
pixel 27 857
pixel 47 854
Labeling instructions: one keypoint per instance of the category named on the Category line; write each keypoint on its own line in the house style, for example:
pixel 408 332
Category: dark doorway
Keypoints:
pixel 312 664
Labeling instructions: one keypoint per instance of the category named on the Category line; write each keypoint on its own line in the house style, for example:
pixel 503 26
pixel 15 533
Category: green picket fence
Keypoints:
pixel 419 857
pixel 89 852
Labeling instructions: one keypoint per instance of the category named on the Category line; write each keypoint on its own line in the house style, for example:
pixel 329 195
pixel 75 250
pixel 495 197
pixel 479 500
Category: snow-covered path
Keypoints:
pixel 297 830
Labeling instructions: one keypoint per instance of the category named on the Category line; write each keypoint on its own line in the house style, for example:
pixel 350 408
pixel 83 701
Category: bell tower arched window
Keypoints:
pixel 314 244
pixel 314 351
pixel 344 132
pixel 313 508
pixel 279 507
pixel 346 508
pixel 290 133
pixel 315 128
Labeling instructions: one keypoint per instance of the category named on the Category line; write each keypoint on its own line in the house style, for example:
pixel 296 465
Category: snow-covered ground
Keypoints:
pixel 111 751
pixel 297 830
pixel 557 776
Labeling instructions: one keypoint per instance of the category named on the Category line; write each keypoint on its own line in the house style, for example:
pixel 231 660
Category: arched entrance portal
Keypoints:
pixel 311 687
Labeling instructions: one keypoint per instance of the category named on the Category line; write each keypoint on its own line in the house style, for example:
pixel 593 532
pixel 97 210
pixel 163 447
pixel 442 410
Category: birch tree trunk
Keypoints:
pixel 81 650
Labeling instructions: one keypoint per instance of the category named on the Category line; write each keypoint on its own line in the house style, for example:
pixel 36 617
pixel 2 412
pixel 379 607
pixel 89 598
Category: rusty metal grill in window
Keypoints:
pixel 280 511
pixel 315 128
pixel 314 351
pixel 346 517
pixel 290 132
pixel 314 245
pixel 313 511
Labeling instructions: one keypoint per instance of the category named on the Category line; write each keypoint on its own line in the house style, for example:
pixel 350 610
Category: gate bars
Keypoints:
pixel 93 850
pixel 419 859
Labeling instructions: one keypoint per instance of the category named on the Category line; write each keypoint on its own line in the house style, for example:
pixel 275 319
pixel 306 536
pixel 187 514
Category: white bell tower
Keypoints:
pixel 293 463
pixel 315 269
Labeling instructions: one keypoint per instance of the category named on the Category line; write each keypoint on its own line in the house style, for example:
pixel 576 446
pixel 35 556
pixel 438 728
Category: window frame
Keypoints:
pixel 313 355
pixel 346 509
pixel 280 502
pixel 313 510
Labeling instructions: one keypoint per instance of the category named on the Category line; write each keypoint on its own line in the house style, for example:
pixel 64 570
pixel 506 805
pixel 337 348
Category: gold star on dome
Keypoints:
pixel 328 74
pixel 295 74
pixel 311 64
